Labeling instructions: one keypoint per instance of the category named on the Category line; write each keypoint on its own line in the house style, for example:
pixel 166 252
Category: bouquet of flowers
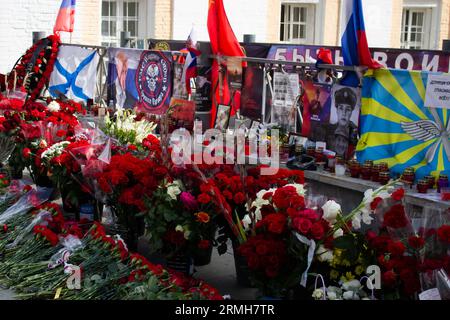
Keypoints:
pixel 128 128
pixel 282 236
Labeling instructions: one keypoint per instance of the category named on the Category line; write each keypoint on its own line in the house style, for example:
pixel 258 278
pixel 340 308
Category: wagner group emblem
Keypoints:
pixel 154 82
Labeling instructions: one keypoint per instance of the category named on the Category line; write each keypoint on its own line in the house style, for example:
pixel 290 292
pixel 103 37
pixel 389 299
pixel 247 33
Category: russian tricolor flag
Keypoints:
pixel 355 48
pixel 66 17
pixel 190 65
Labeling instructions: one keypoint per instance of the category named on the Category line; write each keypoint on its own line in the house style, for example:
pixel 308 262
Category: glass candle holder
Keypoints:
pixel 384 167
pixel 422 186
pixel 369 162
pixel 366 171
pixel 384 177
pixel 331 163
pixel 355 168
pixel 442 182
pixel 376 173
pixel 431 181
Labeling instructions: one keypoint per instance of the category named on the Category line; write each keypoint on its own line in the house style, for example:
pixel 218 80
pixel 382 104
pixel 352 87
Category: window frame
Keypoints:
pixel 122 21
pixel 407 15
pixel 287 22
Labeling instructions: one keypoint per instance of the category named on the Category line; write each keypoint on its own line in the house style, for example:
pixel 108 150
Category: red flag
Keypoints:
pixel 66 17
pixel 223 42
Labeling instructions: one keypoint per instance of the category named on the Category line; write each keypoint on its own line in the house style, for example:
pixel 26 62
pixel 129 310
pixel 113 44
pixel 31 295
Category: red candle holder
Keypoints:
pixel 355 169
pixel 384 177
pixel 366 172
pixel 431 181
pixel 376 173
pixel 422 186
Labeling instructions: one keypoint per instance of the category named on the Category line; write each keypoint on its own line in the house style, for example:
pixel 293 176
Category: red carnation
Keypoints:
pixel 398 194
pixel 262 249
pixel 26 153
pixel 302 225
pixel 416 242
pixel 375 203
pixel 204 198
pixel 444 233
pixel 239 198
pixel 317 231
pixel 395 217
pixel 275 223
pixel 389 278
pixel 396 248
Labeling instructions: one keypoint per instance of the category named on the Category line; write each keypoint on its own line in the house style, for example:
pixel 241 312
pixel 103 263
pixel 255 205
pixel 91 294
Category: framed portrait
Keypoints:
pixel 297 138
pixel 222 117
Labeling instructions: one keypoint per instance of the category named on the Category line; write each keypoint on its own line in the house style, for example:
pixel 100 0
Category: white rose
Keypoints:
pixel 331 295
pixel 318 294
pixel 338 233
pixel 179 228
pixel 323 254
pixel 187 233
pixel 350 295
pixel 173 190
pixel 349 285
pixel 53 106
pixel 331 210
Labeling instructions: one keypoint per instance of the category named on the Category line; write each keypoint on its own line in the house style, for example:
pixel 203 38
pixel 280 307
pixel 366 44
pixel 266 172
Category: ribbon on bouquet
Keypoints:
pixel 311 244
pixel 71 243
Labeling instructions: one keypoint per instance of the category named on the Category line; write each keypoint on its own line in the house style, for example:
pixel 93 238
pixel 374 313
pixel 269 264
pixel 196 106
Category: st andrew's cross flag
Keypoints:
pixel 398 129
pixel 75 73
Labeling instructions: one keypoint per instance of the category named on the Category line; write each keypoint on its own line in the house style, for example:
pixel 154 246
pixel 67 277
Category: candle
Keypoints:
pixel 384 177
pixel 442 182
pixel 376 169
pixel 431 181
pixel 355 168
pixel 422 186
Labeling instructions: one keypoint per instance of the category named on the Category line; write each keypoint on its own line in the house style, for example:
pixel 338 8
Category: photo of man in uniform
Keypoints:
pixel 345 103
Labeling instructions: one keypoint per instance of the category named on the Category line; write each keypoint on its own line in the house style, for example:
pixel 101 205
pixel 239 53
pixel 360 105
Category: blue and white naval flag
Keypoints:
pixel 75 73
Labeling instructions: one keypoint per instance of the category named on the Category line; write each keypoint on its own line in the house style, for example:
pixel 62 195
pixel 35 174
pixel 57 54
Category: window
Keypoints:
pixel 117 16
pixel 297 23
pixel 415 28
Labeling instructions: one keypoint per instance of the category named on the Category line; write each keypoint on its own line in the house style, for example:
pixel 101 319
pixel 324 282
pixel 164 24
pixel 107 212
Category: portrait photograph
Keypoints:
pixel 222 117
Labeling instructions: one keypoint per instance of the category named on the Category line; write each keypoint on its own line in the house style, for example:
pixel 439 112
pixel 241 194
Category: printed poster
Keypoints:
pixel 251 97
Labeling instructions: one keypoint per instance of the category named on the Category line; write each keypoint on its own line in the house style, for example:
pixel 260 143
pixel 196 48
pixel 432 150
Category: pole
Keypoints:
pixel 264 93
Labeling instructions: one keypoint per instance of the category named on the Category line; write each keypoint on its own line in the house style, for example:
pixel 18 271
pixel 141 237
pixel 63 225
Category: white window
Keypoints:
pixel 297 23
pixel 120 15
pixel 416 28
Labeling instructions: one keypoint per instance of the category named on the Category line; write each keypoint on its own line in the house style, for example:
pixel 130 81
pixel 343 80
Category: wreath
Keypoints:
pixel 32 71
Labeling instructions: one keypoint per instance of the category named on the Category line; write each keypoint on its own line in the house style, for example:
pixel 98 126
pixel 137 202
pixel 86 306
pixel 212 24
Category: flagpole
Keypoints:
pixel 71 38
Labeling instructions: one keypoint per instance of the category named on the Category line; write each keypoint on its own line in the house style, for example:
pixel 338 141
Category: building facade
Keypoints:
pixel 411 24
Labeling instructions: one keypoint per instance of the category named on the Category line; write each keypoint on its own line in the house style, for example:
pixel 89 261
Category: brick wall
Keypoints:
pixel 19 18
pixel 163 18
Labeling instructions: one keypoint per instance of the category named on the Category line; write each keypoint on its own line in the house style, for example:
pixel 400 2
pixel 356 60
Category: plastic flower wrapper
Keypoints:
pixel 40 219
pixel 12 193
pixel 429 243
pixel 30 200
